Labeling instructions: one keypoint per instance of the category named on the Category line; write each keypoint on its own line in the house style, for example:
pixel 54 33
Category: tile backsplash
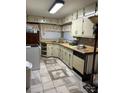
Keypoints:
pixel 86 41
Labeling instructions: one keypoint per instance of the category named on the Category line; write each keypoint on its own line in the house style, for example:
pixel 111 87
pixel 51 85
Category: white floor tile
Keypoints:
pixel 36 88
pixel 62 89
pixel 45 79
pixel 48 85
pixel 50 91
pixel 58 82
pixel 70 84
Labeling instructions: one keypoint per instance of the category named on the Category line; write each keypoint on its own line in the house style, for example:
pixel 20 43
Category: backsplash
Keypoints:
pixel 86 41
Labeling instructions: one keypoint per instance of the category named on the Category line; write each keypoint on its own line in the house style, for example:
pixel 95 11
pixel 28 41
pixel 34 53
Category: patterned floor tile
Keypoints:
pixel 45 79
pixel 62 89
pixel 50 91
pixel 57 74
pixel 48 85
pixel 69 80
pixel 37 88
pixel 55 77
pixel 35 81
pixel 58 82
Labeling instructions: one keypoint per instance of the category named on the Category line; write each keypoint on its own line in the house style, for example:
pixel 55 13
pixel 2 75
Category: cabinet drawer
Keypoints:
pixel 78 64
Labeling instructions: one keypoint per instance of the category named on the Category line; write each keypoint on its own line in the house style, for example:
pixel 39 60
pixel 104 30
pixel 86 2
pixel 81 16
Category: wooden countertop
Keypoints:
pixel 87 50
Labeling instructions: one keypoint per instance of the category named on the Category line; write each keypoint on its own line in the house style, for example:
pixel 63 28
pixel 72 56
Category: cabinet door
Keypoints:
pixel 79 26
pixel 78 64
pixel 88 28
pixel 70 59
pixel 74 30
pixel 55 50
pixel 49 50
pixel 66 57
pixel 52 50
pixel 59 52
pixel 63 54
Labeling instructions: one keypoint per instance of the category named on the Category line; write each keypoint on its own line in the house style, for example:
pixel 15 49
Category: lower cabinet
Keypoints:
pixel 60 52
pixel 71 59
pixel 52 50
pixel 78 64
pixel 66 55
pixel 49 50
pixel 55 50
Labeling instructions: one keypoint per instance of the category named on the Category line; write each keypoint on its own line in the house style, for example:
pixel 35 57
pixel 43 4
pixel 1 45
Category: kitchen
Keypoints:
pixel 61 46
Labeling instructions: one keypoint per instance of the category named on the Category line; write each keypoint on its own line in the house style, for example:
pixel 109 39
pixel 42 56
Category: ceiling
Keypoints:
pixel 41 7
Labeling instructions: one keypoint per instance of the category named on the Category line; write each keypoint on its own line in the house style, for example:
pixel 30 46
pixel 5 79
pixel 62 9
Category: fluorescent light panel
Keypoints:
pixel 56 7
pixel 89 13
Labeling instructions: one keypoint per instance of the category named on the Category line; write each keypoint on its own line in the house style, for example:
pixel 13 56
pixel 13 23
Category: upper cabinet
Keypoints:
pixel 77 26
pixel 87 28
pixel 51 28
pixel 66 28
pixel 81 13
pixel 75 16
pixel 82 27
pixel 67 19
pixel 37 19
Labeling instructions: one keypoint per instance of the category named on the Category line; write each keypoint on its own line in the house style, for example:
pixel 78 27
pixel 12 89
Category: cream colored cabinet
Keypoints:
pixel 51 28
pixel 70 59
pixel 87 28
pixel 81 13
pixel 66 28
pixel 60 52
pixel 67 56
pixel 78 64
pixel 82 27
pixel 77 27
pixel 49 50
pixel 74 29
pixel 63 54
pixel 52 50
pixel 75 15
pixel 55 50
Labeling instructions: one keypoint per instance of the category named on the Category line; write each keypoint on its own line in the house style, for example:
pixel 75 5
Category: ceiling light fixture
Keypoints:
pixel 56 6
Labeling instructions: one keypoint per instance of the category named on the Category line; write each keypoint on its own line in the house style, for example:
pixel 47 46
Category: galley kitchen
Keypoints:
pixel 61 46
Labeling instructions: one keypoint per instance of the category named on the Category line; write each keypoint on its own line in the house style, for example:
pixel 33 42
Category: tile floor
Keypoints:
pixel 55 77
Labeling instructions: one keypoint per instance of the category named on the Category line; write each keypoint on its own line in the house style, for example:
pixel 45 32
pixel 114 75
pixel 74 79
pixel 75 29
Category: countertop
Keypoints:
pixel 87 50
